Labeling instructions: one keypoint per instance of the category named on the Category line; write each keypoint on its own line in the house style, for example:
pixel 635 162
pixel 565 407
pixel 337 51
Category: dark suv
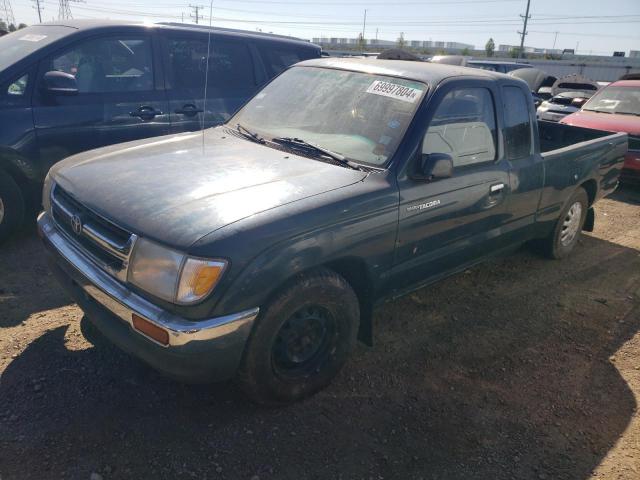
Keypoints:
pixel 67 88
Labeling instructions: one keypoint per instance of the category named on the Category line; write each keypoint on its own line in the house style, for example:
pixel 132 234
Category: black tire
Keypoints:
pixel 560 243
pixel 11 206
pixel 301 339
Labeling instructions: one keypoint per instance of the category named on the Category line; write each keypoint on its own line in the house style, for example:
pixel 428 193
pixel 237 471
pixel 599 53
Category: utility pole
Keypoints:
pixel 523 33
pixel 364 23
pixel 37 4
pixel 6 12
pixel 555 39
pixel 196 12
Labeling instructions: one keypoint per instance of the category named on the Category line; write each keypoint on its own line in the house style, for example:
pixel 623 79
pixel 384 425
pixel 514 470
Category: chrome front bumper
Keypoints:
pixel 210 338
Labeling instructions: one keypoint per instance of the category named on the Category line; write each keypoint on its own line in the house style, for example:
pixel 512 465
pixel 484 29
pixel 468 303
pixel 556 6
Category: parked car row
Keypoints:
pixel 78 85
pixel 615 108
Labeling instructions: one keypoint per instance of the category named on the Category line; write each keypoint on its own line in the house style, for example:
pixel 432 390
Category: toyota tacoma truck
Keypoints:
pixel 258 249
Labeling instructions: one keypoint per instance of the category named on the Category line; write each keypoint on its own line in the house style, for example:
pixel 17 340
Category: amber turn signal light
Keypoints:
pixel 150 330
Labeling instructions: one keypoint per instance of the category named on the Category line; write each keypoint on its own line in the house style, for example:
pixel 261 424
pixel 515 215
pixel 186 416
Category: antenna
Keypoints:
pixel 206 71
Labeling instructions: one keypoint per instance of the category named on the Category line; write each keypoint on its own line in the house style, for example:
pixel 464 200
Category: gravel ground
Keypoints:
pixel 522 368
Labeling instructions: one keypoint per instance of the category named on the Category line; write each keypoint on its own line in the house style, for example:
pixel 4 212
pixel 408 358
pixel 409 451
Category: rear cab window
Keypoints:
pixel 517 120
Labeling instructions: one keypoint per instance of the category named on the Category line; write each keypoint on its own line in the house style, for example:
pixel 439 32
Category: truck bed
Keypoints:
pixel 554 136
pixel 576 156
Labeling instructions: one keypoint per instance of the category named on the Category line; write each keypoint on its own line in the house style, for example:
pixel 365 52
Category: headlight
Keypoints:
pixel 171 275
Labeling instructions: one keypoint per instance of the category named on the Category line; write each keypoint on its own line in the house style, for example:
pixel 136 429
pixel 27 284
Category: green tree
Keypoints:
pixel 401 41
pixel 361 41
pixel 22 25
pixel 465 52
pixel 514 52
pixel 12 27
pixel 490 47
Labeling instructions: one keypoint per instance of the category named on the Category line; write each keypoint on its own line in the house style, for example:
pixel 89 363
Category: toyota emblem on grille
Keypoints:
pixel 76 224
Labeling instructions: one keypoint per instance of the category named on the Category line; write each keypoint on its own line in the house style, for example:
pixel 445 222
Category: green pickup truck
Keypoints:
pixel 258 249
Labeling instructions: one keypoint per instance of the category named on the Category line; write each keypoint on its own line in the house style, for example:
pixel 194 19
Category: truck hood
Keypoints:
pixel 605 121
pixel 178 188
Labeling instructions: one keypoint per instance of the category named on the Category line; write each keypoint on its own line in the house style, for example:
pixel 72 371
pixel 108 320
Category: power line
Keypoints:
pixel 64 11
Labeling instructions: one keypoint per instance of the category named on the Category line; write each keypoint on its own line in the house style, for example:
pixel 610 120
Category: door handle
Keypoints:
pixel 497 188
pixel 145 112
pixel 188 110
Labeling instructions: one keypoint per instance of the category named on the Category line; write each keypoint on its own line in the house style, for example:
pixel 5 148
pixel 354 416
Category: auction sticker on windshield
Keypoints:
pixel 394 90
pixel 32 38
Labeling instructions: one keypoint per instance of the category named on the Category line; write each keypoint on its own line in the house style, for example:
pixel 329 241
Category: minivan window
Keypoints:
pixel 17 45
pixel 110 64
pixel 464 126
pixel 517 123
pixel 230 63
pixel 279 59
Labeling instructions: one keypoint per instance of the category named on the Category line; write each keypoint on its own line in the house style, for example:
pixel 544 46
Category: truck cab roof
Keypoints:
pixel 426 72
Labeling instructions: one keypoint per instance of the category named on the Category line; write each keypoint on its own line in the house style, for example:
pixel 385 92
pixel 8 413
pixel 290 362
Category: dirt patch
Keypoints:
pixel 521 368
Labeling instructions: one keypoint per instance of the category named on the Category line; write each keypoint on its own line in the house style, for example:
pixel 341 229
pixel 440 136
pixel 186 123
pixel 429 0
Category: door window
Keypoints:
pixel 517 123
pixel 230 64
pixel 464 127
pixel 113 64
pixel 279 59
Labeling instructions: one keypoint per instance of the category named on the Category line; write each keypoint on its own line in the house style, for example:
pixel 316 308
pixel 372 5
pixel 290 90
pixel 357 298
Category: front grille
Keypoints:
pixel 107 244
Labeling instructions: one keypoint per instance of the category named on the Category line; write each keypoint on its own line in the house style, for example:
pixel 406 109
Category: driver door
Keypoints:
pixel 446 223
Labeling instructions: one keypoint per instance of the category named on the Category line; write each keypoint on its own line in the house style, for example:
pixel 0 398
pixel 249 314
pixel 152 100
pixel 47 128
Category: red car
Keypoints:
pixel 615 108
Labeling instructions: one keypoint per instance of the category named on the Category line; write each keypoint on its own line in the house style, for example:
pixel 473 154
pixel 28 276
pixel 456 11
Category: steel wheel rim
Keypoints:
pixel 571 224
pixel 304 342
pixel 1 210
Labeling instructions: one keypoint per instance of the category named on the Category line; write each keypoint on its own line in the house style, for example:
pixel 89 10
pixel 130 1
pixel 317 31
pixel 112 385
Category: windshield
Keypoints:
pixel 360 116
pixel 19 44
pixel 623 100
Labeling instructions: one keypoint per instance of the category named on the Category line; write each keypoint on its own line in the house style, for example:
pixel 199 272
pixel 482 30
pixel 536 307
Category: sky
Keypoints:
pixel 591 26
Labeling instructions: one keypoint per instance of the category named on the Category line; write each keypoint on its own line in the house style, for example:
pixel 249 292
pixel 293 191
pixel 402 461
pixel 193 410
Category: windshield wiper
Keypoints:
pixel 303 144
pixel 245 132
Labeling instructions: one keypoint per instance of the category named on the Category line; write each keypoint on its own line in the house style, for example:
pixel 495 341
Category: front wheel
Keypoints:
pixel 568 228
pixel 11 206
pixel 301 340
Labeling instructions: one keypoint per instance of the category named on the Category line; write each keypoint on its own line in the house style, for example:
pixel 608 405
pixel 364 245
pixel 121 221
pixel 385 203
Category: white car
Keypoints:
pixel 561 105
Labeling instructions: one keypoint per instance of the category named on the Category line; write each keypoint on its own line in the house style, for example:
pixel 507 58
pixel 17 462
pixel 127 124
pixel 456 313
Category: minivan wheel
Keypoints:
pixel 568 228
pixel 11 206
pixel 301 339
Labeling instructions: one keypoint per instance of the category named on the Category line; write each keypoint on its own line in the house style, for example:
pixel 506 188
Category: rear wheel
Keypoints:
pixel 568 228
pixel 11 206
pixel 301 340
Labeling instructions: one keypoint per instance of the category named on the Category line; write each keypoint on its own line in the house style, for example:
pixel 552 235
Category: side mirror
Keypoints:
pixel 436 165
pixel 59 83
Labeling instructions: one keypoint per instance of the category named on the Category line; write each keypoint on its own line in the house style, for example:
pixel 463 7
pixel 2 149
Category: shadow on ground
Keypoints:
pixel 26 284
pixel 500 372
